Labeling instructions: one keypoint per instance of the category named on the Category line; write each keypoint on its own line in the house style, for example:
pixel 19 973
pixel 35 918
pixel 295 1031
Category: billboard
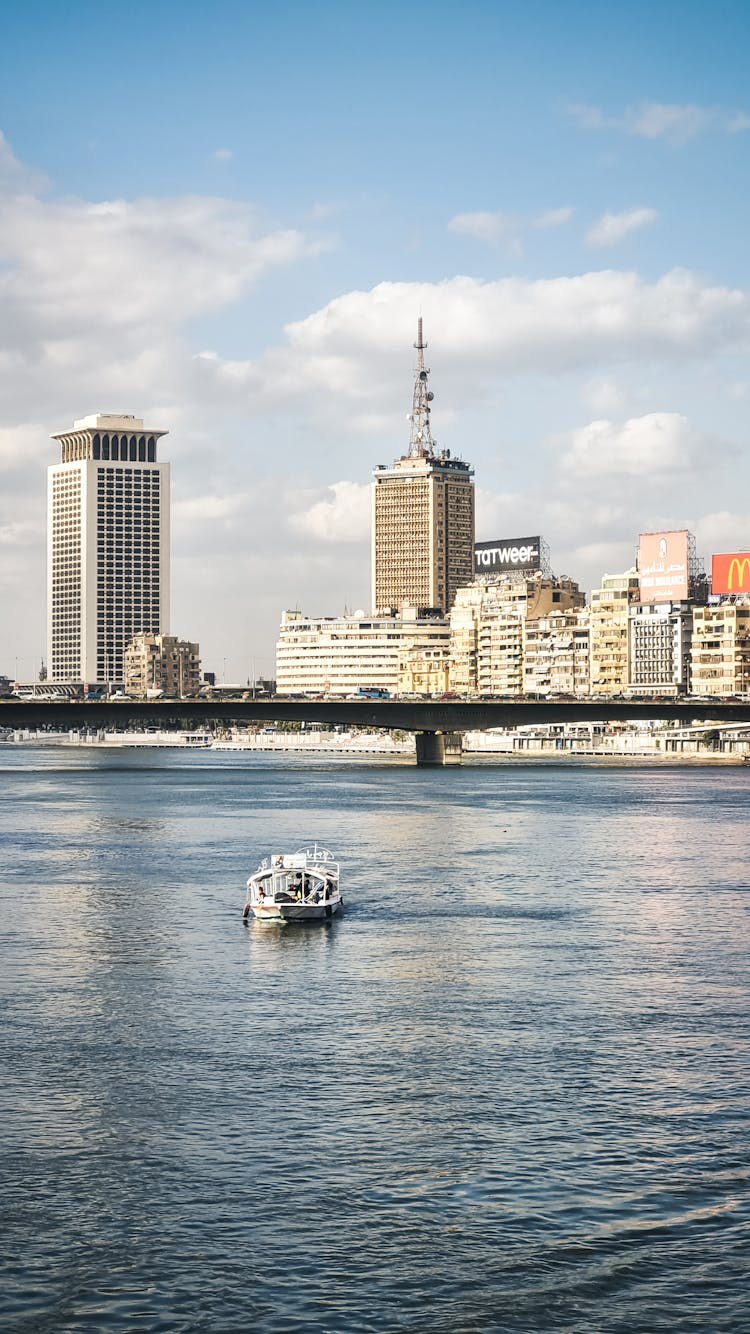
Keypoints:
pixel 663 566
pixel 513 553
pixel 730 573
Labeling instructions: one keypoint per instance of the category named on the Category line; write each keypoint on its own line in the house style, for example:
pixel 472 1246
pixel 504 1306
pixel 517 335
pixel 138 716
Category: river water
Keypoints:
pixel 506 1090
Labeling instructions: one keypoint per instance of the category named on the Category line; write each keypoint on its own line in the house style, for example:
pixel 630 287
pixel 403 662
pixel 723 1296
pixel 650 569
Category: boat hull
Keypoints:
pixel 295 912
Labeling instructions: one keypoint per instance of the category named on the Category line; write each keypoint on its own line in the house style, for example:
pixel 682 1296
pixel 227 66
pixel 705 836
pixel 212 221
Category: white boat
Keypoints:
pixel 300 886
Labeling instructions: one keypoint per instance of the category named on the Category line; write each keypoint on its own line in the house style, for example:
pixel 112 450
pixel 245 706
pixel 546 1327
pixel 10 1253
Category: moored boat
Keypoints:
pixel 301 886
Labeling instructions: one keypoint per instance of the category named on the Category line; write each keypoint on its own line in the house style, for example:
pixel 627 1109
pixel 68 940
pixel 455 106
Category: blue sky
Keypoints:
pixel 227 221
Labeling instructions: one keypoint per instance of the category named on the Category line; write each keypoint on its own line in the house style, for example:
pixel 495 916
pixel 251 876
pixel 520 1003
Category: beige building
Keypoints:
pixel 720 653
pixel 107 547
pixel 557 653
pixel 424 671
pixel 610 606
pixel 164 663
pixel 488 626
pixel 422 518
pixel 338 655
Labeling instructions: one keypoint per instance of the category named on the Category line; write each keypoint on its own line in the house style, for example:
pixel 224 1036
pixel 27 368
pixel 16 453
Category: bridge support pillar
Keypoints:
pixel 453 746
pixel 430 748
pixel 438 748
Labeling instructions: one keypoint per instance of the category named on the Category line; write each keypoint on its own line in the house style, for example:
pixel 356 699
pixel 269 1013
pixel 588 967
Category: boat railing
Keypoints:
pixel 315 853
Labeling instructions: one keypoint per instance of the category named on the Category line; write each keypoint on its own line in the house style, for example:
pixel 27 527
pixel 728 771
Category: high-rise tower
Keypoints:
pixel 422 516
pixel 108 547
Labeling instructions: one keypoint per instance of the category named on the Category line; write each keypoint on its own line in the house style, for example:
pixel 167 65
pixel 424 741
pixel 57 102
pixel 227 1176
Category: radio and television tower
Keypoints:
pixel 422 517
pixel 420 439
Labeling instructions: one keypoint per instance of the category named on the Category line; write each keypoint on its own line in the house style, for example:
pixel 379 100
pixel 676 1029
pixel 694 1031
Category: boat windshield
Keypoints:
pixel 290 885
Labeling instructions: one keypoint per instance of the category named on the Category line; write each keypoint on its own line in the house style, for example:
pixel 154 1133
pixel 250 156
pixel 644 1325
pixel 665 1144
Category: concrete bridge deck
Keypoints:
pixel 432 720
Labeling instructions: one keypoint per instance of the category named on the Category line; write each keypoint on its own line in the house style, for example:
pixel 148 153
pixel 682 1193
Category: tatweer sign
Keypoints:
pixel 515 553
pixel 731 573
pixel 663 566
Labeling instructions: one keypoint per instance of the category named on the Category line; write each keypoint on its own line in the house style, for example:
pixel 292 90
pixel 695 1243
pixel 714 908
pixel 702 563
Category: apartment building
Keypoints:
pixel 557 653
pixel 609 632
pixel 720 650
pixel 659 648
pixel 162 663
pixel 337 655
pixel 488 623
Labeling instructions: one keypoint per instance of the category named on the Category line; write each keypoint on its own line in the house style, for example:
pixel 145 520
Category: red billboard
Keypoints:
pixel 730 573
pixel 663 566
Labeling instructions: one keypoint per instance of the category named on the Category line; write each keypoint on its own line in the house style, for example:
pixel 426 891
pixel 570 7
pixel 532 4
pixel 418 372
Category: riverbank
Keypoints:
pixel 659 748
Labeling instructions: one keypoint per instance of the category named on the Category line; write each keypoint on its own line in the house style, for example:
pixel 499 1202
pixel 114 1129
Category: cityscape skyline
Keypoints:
pixel 248 271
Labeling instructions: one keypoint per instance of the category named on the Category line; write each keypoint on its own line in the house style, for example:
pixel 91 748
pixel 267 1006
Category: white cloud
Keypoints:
pixel 676 123
pixel 612 228
pixel 203 509
pixel 351 351
pixel 722 530
pixel 122 263
pixel 589 117
pixel 595 559
pixel 342 515
pixel 504 230
pixel 498 513
pixel 95 296
pixel 20 444
pixel 21 533
pixel 223 154
pixel 656 444
pixel 554 217
pixel 496 229
pixel 15 176
pixel 602 394
pixel 659 120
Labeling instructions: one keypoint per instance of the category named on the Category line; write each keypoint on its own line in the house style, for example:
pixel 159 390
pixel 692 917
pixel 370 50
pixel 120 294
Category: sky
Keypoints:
pixel 226 220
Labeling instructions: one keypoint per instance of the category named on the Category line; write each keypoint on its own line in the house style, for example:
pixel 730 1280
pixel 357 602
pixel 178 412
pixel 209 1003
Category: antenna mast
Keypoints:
pixel 421 442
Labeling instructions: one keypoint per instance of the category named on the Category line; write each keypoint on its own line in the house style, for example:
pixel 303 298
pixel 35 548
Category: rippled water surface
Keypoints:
pixel 506 1090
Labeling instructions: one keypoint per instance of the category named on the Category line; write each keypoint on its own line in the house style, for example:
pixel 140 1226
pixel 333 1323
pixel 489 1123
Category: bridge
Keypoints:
pixel 433 721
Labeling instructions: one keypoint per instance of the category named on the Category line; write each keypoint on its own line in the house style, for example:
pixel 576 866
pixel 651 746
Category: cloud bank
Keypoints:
pixel 272 453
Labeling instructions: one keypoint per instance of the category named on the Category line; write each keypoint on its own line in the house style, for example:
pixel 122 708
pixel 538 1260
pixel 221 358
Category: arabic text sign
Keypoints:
pixel 663 566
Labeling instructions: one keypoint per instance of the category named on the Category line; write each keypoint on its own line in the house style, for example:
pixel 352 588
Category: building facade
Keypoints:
pixel 338 655
pixel 610 646
pixel 162 663
pixel 660 638
pixel 488 623
pixel 422 517
pixel 720 656
pixel 108 547
pixel 557 654
pixel 424 671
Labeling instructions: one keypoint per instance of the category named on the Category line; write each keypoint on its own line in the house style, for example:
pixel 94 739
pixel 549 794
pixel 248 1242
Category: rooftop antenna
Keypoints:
pixel 421 442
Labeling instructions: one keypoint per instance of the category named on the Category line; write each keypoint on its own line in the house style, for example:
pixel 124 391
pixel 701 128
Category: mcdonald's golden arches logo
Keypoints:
pixel 730 573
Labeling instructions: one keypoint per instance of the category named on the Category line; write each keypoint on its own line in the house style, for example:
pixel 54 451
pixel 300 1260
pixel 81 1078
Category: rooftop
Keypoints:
pixel 109 421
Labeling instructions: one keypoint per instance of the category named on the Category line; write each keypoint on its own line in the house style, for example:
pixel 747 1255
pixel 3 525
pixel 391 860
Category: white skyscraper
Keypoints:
pixel 108 547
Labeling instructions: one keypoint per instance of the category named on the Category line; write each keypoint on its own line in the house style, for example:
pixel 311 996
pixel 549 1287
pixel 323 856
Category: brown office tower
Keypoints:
pixel 422 518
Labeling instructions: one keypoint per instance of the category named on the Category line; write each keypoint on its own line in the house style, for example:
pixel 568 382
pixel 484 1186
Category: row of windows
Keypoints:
pixel 128 478
pixel 127 509
pixel 133 450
